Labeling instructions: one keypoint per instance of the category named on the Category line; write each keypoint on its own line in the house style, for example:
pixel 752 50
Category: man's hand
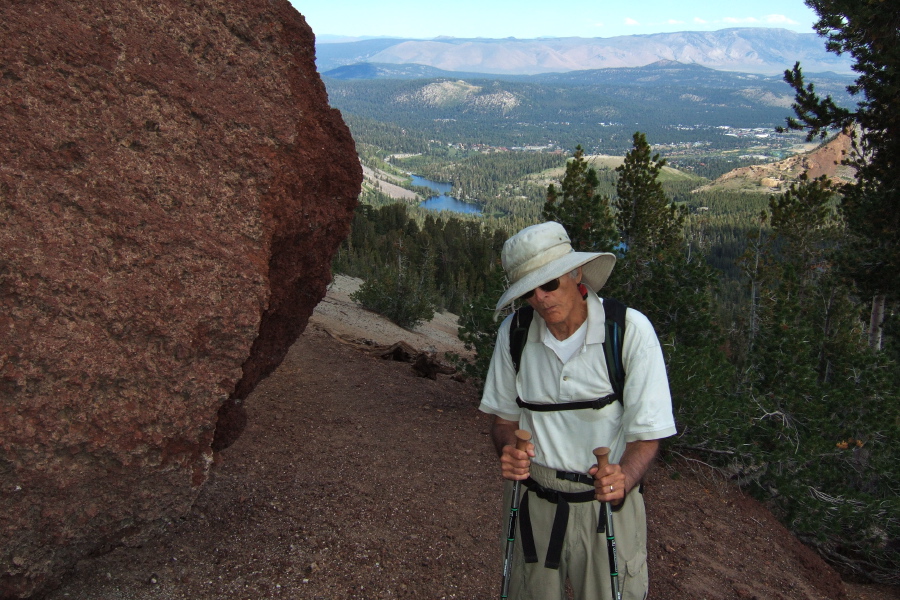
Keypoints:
pixel 614 481
pixel 514 464
pixel 609 483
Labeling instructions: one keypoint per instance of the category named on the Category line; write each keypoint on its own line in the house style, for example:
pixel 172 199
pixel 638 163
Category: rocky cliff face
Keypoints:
pixel 173 185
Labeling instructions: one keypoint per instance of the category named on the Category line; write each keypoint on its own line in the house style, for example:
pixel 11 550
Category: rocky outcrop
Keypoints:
pixel 173 185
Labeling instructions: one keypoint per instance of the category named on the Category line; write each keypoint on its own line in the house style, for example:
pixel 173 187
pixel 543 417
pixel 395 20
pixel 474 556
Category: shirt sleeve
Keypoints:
pixel 499 397
pixel 648 401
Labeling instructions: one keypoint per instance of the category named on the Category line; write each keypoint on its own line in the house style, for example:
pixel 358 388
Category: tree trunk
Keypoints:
pixel 824 362
pixel 876 321
pixel 754 290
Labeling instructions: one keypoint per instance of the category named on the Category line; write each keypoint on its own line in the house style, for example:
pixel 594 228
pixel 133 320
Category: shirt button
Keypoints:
pixel 566 378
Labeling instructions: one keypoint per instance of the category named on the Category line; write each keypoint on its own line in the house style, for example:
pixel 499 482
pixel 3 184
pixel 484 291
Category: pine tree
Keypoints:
pixel 645 217
pixel 814 391
pixel 583 211
pixel 859 405
pixel 800 291
pixel 478 328
pixel 869 32
pixel 403 294
pixel 655 273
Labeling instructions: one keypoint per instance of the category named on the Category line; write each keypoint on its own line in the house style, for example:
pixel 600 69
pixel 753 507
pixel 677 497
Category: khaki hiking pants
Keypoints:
pixel 583 561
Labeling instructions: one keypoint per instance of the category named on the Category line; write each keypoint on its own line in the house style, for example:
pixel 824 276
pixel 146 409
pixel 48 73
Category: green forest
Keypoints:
pixel 673 104
pixel 777 312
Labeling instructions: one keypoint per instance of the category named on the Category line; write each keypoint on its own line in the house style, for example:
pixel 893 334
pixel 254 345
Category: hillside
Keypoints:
pixel 777 176
pixel 610 163
pixel 356 479
pixel 679 104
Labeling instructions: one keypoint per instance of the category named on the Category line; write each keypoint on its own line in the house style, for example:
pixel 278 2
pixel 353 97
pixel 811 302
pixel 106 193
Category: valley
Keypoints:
pixel 502 139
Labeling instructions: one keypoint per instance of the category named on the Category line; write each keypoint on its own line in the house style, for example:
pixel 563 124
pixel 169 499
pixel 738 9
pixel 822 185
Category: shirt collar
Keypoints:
pixel 596 323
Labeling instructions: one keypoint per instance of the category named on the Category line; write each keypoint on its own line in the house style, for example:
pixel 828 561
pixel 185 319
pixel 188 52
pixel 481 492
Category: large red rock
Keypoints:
pixel 173 185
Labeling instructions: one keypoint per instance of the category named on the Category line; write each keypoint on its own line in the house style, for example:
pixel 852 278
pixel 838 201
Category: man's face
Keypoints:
pixel 561 304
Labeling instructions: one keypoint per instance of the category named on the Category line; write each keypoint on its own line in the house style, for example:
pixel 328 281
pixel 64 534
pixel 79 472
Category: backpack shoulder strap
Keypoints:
pixel 614 312
pixel 518 333
pixel 614 341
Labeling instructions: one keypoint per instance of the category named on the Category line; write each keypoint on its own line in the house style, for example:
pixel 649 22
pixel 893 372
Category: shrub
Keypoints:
pixel 403 296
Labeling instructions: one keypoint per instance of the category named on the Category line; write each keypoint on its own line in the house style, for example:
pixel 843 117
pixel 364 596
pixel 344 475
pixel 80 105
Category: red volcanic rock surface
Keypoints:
pixel 173 185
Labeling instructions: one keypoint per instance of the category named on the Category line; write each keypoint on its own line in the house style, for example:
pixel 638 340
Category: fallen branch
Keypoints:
pixel 709 450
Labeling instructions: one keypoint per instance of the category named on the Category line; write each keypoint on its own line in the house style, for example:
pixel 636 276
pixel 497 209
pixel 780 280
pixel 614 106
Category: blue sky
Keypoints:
pixel 545 18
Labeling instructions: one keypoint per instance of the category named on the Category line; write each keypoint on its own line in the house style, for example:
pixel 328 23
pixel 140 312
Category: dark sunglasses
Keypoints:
pixel 550 286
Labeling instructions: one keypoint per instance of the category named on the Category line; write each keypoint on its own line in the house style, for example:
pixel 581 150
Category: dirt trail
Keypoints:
pixel 358 479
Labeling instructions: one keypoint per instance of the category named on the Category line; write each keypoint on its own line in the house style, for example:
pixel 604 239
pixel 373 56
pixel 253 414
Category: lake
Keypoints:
pixel 442 200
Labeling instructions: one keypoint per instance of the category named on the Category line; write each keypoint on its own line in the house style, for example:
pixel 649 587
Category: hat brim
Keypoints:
pixel 596 267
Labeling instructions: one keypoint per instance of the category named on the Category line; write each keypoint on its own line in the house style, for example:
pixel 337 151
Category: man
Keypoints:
pixel 563 362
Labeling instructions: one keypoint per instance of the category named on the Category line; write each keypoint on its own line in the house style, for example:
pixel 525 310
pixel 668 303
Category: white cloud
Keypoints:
pixel 741 20
pixel 631 22
pixel 675 22
pixel 779 19
pixel 700 21
pixel 599 24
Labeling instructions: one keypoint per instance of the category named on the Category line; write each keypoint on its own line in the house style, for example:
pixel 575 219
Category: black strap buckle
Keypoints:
pixel 604 401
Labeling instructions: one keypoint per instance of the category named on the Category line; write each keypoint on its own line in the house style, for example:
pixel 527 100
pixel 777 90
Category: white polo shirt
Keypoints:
pixel 564 440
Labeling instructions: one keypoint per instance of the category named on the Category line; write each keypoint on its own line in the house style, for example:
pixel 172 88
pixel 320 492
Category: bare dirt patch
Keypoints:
pixel 387 184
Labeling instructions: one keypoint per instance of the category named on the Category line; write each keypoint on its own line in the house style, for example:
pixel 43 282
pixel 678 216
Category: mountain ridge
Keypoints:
pixel 751 50
pixel 673 71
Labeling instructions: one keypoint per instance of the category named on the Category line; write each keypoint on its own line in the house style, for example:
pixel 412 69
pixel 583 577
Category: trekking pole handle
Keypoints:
pixel 602 455
pixel 522 439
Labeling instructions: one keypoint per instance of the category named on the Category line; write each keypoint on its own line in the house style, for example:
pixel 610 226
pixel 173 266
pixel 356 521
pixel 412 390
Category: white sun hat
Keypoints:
pixel 542 253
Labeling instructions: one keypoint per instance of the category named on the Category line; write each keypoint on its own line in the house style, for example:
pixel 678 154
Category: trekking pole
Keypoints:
pixel 602 455
pixel 522 438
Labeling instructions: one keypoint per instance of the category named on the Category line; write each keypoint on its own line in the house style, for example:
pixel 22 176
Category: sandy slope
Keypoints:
pixel 344 318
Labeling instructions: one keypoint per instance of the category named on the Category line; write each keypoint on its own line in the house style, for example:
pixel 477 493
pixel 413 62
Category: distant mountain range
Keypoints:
pixel 663 72
pixel 748 50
